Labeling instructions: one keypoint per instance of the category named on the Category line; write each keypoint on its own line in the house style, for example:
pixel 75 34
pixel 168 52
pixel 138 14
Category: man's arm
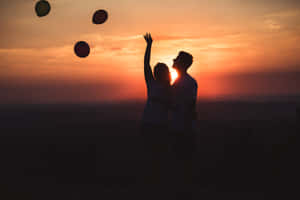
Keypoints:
pixel 147 68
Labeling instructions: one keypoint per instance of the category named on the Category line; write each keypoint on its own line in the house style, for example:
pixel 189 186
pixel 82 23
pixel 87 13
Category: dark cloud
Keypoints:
pixel 257 84
pixel 47 91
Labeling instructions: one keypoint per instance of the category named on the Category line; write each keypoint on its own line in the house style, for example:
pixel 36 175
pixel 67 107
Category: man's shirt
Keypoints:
pixel 184 96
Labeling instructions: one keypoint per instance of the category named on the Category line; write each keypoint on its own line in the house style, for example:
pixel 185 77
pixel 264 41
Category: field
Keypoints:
pixel 245 150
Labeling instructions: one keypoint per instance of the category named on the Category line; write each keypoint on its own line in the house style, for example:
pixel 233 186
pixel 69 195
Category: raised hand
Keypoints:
pixel 147 68
pixel 148 38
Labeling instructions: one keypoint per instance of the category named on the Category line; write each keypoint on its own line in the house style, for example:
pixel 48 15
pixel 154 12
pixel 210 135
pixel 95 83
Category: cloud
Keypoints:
pixel 247 84
pixel 284 14
pixel 272 25
pixel 52 91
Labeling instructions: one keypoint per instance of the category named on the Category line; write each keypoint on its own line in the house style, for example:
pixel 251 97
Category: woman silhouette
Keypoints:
pixel 158 92
pixel 155 116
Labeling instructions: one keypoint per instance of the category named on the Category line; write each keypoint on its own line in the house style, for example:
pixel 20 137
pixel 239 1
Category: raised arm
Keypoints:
pixel 147 68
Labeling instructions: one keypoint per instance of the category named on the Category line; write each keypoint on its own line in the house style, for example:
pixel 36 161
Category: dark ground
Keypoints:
pixel 244 151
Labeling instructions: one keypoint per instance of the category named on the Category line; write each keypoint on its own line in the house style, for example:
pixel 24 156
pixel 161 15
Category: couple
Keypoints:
pixel 162 139
pixel 178 100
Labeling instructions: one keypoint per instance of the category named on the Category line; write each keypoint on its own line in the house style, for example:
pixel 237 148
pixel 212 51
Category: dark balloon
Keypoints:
pixel 82 49
pixel 42 8
pixel 100 17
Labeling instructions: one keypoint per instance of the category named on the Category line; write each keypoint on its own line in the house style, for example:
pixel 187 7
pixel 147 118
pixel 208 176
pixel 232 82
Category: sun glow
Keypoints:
pixel 174 75
pixel 168 60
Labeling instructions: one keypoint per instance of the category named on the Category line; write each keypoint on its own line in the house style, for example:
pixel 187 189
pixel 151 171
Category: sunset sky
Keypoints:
pixel 240 48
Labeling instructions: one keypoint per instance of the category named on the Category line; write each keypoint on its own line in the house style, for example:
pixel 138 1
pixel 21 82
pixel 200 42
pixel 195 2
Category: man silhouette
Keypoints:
pixel 184 96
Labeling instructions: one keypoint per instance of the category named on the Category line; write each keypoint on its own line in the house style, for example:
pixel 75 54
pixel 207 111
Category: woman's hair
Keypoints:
pixel 161 72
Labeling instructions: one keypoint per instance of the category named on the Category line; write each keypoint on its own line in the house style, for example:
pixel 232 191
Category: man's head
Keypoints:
pixel 161 73
pixel 183 61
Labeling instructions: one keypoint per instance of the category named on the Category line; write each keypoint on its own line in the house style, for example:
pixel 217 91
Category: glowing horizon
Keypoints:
pixel 226 39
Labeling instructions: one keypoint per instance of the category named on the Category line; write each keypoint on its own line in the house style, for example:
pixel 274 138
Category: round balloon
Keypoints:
pixel 82 49
pixel 42 8
pixel 100 16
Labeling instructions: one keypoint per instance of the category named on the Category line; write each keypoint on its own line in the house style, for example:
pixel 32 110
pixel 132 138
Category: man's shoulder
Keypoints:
pixel 191 80
pixel 185 81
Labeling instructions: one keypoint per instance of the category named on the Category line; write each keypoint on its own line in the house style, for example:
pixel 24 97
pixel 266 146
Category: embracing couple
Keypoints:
pixel 163 100
pixel 169 146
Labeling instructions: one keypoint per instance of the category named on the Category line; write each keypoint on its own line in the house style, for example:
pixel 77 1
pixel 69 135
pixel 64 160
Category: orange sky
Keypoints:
pixel 229 39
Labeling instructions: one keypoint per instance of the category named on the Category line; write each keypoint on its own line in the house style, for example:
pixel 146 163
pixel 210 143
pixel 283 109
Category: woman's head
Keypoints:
pixel 161 73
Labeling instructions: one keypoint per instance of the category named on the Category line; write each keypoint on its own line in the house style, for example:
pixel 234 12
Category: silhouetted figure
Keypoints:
pixel 184 95
pixel 183 115
pixel 155 116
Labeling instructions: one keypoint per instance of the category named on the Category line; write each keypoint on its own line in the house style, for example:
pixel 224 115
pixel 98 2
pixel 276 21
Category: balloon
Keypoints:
pixel 42 8
pixel 82 49
pixel 100 16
